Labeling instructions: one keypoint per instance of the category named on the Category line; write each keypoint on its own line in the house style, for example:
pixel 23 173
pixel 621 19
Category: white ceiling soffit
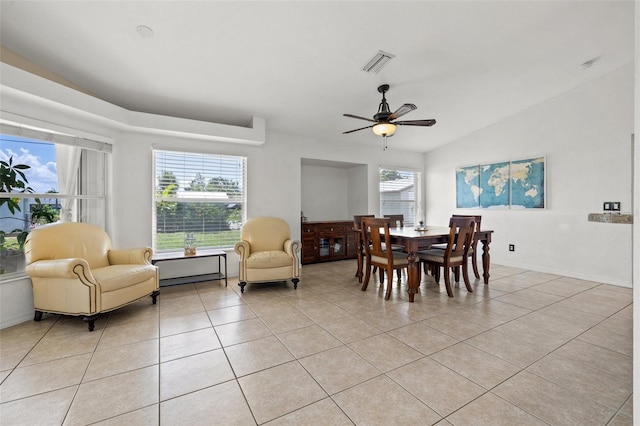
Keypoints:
pixel 23 93
pixel 299 64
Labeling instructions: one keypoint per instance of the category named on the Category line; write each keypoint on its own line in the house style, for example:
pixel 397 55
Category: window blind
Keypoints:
pixel 199 194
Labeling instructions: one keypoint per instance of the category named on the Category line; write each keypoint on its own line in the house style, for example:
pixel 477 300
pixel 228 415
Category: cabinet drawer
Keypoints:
pixel 332 228
pixel 309 229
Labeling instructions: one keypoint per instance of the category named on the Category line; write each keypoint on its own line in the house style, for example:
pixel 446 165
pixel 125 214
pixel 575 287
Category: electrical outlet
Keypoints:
pixel 512 247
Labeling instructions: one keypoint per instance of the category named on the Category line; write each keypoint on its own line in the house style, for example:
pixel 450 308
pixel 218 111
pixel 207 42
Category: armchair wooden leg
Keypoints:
pixel 90 320
pixel 154 296
pixel 38 316
pixel 242 284
pixel 295 282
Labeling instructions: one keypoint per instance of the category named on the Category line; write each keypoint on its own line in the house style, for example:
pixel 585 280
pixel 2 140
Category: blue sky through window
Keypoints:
pixel 40 155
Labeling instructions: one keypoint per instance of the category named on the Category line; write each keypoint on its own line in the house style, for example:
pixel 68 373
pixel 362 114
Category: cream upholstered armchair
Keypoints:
pixel 267 252
pixel 74 271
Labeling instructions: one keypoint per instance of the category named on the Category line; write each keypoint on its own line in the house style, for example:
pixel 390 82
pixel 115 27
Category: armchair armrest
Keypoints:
pixel 61 268
pixel 243 248
pixel 133 256
pixel 292 247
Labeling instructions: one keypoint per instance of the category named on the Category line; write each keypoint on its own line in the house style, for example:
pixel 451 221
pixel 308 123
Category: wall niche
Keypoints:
pixel 333 190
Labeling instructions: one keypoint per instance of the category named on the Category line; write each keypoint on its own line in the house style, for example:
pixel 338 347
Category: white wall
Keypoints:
pixel 357 199
pixel 325 194
pixel 331 192
pixel 585 135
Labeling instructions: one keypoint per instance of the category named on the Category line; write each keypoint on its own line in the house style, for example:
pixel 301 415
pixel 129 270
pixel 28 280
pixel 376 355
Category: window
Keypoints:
pixel 64 178
pixel 400 194
pixel 199 194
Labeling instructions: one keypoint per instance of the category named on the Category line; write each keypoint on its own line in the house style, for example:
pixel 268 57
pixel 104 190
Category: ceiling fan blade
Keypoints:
pixel 415 123
pixel 355 130
pixel 402 111
pixel 359 118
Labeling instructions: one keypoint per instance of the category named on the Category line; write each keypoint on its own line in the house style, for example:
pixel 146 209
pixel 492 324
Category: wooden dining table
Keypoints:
pixel 414 240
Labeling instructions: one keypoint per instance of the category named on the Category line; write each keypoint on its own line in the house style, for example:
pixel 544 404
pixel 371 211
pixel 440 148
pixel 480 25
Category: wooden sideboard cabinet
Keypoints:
pixel 327 241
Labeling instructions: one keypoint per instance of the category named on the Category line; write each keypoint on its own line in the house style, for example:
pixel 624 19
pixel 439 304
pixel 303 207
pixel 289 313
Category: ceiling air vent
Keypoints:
pixel 378 62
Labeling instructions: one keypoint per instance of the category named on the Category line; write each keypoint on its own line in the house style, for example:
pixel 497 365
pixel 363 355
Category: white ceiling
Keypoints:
pixel 466 64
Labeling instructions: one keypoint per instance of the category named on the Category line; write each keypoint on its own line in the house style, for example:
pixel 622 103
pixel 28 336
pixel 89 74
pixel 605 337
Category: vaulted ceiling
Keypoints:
pixel 467 64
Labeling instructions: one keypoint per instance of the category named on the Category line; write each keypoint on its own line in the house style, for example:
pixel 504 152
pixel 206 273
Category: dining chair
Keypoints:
pixel 461 233
pixel 376 232
pixel 357 224
pixel 473 249
pixel 357 227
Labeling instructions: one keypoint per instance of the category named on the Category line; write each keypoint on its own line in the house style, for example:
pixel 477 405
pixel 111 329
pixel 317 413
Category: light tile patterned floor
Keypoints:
pixel 529 349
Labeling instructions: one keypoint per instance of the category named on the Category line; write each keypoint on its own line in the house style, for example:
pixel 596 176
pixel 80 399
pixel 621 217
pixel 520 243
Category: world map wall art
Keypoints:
pixel 516 184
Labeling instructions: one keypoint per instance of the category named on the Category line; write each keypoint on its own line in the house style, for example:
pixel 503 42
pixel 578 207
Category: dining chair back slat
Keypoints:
pixel 397 220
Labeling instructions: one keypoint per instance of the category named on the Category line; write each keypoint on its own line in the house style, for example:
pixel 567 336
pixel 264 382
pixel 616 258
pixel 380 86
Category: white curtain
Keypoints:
pixel 68 163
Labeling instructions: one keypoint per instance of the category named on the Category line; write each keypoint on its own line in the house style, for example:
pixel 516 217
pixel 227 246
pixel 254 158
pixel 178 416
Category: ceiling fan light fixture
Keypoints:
pixel 384 129
pixel 378 62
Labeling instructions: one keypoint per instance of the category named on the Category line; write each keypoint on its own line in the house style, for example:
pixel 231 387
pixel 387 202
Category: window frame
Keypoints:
pixel 414 212
pixel 89 207
pixel 214 199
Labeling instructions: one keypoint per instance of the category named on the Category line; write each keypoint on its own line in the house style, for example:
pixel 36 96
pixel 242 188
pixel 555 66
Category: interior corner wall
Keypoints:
pixel 333 193
pixel 358 196
pixel 585 135
pixel 324 192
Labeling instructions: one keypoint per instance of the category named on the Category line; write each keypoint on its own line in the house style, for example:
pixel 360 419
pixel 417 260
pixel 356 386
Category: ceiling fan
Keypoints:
pixel 385 121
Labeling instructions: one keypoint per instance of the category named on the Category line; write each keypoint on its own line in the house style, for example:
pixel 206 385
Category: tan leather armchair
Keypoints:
pixel 74 271
pixel 267 252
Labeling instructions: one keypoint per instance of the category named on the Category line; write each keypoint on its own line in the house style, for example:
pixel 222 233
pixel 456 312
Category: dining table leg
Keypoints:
pixel 412 275
pixel 486 260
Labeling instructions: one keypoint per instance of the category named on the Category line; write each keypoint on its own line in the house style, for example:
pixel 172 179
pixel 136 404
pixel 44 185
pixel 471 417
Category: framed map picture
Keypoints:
pixel 468 187
pixel 527 183
pixel 494 186
pixel 518 184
